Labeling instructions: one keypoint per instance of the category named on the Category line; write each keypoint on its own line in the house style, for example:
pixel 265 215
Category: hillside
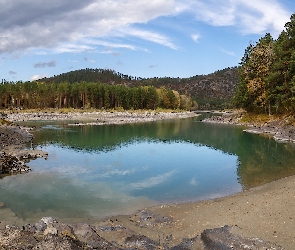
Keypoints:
pixel 210 91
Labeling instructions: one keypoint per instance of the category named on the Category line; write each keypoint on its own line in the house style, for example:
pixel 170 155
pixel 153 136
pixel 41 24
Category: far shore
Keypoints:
pixel 265 212
pixel 82 118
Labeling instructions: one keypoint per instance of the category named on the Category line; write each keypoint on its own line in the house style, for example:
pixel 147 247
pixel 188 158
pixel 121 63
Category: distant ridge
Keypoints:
pixel 211 91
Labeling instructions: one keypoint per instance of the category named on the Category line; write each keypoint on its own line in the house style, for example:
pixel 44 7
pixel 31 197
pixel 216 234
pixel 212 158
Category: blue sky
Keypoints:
pixel 143 38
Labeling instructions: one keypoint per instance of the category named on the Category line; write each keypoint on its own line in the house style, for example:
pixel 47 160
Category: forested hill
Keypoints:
pixel 210 91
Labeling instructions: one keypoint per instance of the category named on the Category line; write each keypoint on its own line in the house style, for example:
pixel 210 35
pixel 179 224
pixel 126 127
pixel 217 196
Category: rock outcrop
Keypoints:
pixel 49 234
pixel 13 156
pixel 223 239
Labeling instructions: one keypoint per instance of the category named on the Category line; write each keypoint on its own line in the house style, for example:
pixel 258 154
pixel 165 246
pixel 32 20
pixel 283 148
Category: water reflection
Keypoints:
pixel 33 196
pixel 261 159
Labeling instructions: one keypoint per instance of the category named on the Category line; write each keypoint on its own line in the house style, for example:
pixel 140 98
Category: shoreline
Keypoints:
pixel 263 213
pixel 100 117
pixel 279 130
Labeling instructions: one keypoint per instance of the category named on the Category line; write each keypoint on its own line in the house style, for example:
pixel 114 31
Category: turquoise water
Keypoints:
pixel 97 171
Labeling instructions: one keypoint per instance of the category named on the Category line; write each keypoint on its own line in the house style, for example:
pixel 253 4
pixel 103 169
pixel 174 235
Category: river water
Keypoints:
pixel 96 171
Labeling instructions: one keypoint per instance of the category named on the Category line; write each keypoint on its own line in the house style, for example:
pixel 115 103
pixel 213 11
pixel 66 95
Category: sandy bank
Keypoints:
pixel 266 212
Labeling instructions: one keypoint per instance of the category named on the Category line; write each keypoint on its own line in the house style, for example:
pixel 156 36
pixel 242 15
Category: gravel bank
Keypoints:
pixel 100 117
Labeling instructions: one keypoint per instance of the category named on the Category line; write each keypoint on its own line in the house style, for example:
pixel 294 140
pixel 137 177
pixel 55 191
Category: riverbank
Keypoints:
pixel 84 118
pixel 13 156
pixel 260 218
pixel 280 128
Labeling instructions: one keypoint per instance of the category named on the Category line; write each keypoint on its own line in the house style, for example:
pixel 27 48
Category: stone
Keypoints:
pixel 223 239
pixel 50 229
pixel 89 237
pixel 141 242
pixel 48 220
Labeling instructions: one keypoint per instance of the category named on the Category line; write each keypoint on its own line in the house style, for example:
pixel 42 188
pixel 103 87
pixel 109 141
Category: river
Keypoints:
pixel 97 171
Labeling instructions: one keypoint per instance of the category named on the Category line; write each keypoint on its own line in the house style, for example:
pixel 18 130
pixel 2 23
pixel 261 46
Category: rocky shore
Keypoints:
pixel 259 218
pixel 281 130
pixel 99 117
pixel 13 157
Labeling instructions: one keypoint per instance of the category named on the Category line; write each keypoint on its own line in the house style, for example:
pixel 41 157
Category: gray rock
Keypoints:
pixel 223 239
pixel 89 237
pixel 141 242
pixel 48 220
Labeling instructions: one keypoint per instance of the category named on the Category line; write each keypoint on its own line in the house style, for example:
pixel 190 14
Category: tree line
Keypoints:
pixel 267 74
pixel 40 95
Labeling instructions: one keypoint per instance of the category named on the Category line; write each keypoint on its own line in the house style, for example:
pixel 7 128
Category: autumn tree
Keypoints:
pixel 252 92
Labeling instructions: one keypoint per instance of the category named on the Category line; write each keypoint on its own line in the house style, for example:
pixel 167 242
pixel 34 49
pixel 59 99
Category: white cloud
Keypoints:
pixel 73 48
pixel 109 44
pixel 29 24
pixel 78 26
pixel 195 37
pixel 149 36
pixel 251 17
pixel 37 77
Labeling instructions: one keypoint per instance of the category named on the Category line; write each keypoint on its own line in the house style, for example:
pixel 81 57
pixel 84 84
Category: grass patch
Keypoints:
pixel 255 118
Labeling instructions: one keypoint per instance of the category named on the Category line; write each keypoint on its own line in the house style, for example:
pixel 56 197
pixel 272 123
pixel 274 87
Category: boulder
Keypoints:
pixel 223 239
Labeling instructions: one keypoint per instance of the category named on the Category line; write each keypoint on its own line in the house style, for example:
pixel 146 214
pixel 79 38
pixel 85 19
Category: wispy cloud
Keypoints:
pixel 73 48
pixel 12 72
pixel 149 36
pixel 230 53
pixel 109 44
pixel 250 17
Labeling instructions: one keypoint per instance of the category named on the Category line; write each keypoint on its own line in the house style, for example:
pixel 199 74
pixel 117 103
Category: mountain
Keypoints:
pixel 211 91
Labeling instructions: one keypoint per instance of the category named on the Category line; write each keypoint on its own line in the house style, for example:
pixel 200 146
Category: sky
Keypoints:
pixel 142 38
